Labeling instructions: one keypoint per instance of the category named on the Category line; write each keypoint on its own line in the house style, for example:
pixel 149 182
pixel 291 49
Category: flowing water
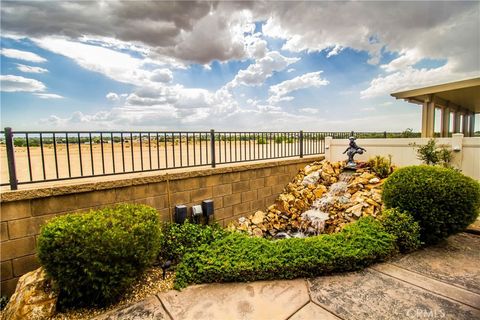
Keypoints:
pixel 315 218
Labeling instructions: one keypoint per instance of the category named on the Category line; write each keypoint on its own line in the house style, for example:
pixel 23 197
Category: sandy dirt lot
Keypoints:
pixel 153 158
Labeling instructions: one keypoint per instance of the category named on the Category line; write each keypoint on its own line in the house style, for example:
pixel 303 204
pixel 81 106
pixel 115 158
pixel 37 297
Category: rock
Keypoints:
pixel 356 210
pixel 257 233
pixel 312 178
pixel 367 176
pixel 374 180
pixel 327 168
pixel 311 168
pixel 258 217
pixel 319 191
pixel 33 298
pixel 372 202
pixel 343 196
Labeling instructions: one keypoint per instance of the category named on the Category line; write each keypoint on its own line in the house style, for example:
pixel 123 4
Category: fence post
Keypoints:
pixel 385 134
pixel 212 146
pixel 301 143
pixel 11 159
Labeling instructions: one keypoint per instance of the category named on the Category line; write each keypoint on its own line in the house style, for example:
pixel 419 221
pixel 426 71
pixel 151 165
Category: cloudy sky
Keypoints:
pixel 231 65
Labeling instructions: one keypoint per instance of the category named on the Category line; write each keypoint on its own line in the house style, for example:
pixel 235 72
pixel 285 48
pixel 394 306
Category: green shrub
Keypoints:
pixel 431 154
pixel 177 239
pixel 94 256
pixel 403 227
pixel 238 257
pixel 442 200
pixel 381 166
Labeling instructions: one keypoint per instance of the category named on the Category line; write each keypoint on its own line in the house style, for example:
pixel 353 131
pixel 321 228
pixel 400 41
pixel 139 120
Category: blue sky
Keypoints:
pixel 233 66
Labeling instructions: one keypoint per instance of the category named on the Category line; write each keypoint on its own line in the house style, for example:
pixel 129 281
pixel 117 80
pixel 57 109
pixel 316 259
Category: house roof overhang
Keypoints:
pixel 463 96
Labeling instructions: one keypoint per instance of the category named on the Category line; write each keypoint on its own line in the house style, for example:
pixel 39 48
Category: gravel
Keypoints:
pixel 148 284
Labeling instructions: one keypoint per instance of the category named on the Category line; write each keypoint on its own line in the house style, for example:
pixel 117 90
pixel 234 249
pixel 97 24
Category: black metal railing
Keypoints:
pixel 43 156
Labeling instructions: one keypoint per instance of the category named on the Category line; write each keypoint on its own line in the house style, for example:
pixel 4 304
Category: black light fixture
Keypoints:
pixel 197 213
pixel 180 214
pixel 207 208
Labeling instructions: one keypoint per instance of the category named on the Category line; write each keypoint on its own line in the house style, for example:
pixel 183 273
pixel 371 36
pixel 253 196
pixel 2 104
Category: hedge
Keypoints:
pixel 238 257
pixel 94 257
pixel 403 227
pixel 442 200
pixel 177 239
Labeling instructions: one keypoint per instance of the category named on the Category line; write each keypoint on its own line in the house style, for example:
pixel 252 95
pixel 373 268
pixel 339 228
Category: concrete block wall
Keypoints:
pixel 236 190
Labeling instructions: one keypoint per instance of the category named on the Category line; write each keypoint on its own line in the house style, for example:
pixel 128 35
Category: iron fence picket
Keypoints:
pixel 224 147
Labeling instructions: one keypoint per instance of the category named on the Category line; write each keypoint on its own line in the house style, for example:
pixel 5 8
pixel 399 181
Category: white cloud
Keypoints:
pixel 410 78
pixel 309 110
pixel 48 96
pixel 112 96
pixel 368 109
pixel 406 59
pixel 21 55
pixel 335 51
pixel 280 91
pixel 162 75
pixel 262 69
pixel 401 26
pixel 30 69
pixel 115 65
pixel 11 83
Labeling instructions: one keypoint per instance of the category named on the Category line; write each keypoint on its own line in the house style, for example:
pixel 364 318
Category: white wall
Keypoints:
pixel 467 158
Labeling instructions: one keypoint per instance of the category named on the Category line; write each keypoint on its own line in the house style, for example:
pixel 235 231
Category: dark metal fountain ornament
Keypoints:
pixel 352 150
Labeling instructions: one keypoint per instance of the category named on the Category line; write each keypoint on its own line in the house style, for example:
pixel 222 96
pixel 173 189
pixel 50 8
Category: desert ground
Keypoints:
pixel 163 157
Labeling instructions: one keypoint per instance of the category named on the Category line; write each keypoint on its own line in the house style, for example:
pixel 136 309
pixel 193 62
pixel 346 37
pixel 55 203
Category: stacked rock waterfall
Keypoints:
pixel 322 198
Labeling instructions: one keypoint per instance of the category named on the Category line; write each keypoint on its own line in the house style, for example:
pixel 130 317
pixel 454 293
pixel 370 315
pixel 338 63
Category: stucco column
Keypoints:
pixel 428 119
pixel 445 124
pixel 456 122
pixel 457 148
pixel 465 124
pixel 471 132
pixel 328 148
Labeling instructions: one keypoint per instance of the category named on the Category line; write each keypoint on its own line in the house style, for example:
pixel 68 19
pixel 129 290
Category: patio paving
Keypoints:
pixel 439 282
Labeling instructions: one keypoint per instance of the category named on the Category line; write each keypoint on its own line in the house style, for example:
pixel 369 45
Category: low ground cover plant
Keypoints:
pixel 177 239
pixel 238 257
pixel 94 256
pixel 442 201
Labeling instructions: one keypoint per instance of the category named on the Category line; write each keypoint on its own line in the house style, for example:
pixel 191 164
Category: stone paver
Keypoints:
pixel 257 300
pixel 455 261
pixel 313 312
pixel 149 309
pixel 440 288
pixel 372 295
pixel 439 282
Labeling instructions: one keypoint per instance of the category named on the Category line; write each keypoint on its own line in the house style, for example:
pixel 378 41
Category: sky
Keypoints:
pixel 286 66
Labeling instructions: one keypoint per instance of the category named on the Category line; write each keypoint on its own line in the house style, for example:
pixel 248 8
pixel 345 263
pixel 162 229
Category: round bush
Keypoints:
pixel 403 227
pixel 94 256
pixel 442 200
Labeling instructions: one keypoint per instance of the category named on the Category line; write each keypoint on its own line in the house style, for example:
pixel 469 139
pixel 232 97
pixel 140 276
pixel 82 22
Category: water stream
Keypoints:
pixel 314 219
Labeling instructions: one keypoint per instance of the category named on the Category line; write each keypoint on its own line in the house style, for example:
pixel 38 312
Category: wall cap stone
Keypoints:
pixel 178 174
